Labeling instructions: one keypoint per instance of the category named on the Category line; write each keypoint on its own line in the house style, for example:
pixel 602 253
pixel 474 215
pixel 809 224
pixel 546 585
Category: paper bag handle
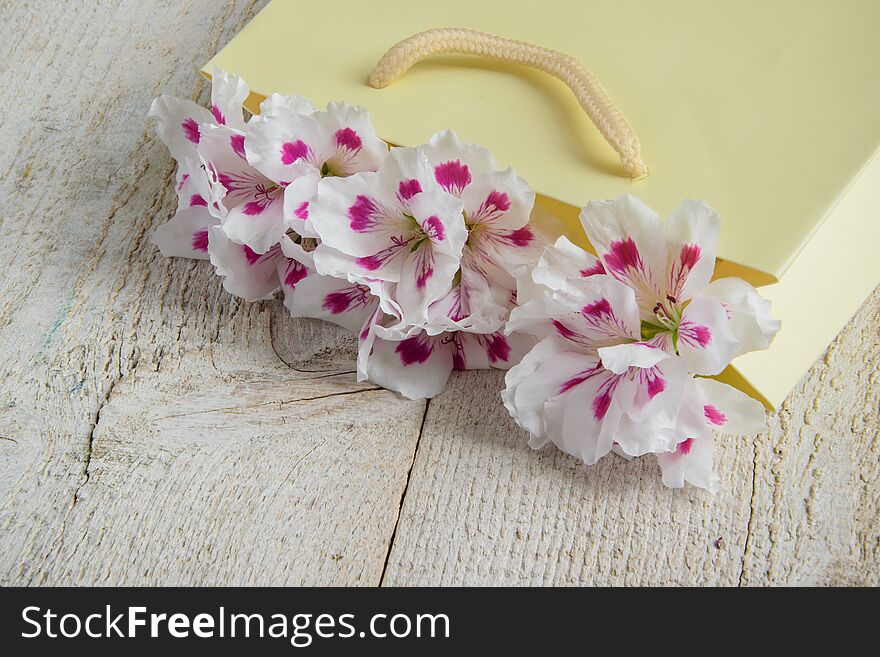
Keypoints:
pixel 589 93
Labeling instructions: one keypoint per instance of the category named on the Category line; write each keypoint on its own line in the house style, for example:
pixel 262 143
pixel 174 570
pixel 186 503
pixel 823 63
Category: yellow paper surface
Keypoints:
pixel 768 110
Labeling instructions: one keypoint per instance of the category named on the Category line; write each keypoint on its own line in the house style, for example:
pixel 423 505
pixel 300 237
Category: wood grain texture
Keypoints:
pixel 153 430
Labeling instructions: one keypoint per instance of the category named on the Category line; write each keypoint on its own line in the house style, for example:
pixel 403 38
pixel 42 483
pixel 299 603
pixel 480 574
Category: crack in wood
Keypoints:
pixel 742 571
pixel 90 440
pixel 403 495
pixel 280 402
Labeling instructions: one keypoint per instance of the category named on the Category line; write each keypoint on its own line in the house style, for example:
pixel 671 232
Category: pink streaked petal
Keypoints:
pixel 365 214
pixel 580 377
pixel 345 299
pixel 434 229
pixel 237 144
pixel 741 414
pixel 453 176
pixel 679 268
pixel 692 233
pixel 384 257
pixel 191 130
pixel 302 211
pixel 293 151
pixel 252 256
pixel 705 339
pixel 408 188
pixel 623 256
pixel 691 462
pixel 200 240
pixel 714 416
pixel 186 234
pixel 522 237
pixel 294 273
pixel 416 349
pixel 596 269
pixel 348 139
pixel 695 335
pixel 628 237
pixel 684 447
pixel 218 115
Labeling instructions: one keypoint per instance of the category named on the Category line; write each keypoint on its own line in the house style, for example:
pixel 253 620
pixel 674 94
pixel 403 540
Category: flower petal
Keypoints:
pixel 650 421
pixel 750 316
pixel 705 340
pixel 440 218
pixel 430 264
pixel 354 145
pixel 258 224
pixel 278 104
pixel 473 305
pixel 691 462
pixel 692 235
pixel 628 236
pixel 499 201
pixel 298 196
pixel 308 294
pixel 245 273
pixel 359 216
pixel 620 358
pixel 543 374
pixel 598 311
pixel 455 163
pixel 480 351
pixel 416 367
pixel 228 93
pixel 563 262
pixel 276 143
pixel 178 122
pixel 186 234
pixel 728 410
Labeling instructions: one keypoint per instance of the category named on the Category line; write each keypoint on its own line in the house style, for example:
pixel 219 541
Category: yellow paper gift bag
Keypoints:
pixel 768 111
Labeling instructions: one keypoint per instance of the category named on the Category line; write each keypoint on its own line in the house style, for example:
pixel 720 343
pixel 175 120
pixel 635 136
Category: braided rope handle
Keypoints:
pixel 589 93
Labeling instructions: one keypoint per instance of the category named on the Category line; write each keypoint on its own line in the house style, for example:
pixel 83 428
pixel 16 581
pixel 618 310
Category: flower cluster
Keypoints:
pixel 414 248
pixel 628 338
pixel 429 254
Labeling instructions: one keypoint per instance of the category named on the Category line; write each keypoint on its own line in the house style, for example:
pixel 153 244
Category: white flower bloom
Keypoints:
pixel 591 383
pixel 179 120
pixel 615 368
pixel 185 235
pixel 296 147
pixel 669 271
pixel 395 225
pixel 497 206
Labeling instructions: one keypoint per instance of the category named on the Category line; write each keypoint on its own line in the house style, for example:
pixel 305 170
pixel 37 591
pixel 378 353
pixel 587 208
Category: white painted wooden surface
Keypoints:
pixel 155 431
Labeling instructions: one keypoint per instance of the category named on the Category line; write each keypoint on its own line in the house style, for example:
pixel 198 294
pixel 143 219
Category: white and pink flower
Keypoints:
pixel 295 146
pixel 591 383
pixel 497 205
pixel 396 226
pixel 624 334
pixel 669 269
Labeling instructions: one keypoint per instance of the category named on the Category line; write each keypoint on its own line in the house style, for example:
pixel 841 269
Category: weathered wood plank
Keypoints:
pixel 155 430
pixel 797 506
